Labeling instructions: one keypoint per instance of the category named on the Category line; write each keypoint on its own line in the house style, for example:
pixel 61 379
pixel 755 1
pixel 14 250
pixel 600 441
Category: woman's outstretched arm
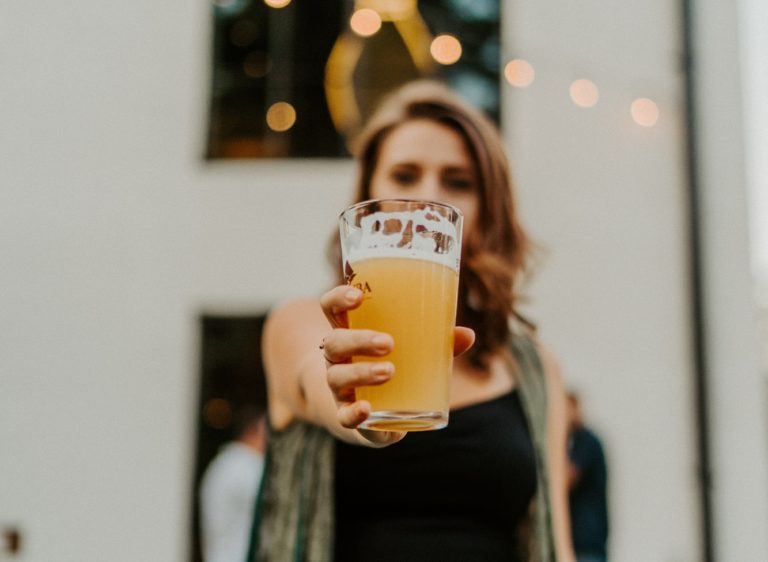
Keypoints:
pixel 317 385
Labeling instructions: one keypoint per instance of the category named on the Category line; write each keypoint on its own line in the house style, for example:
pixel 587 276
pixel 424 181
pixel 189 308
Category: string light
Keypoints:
pixel 645 112
pixel 584 93
pixel 281 116
pixel 445 49
pixel 257 64
pixel 277 3
pixel 217 413
pixel 365 22
pixel 519 73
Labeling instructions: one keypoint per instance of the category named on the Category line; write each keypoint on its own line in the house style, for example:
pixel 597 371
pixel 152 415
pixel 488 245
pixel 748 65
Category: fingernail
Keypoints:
pixel 352 295
pixel 362 412
pixel 382 342
pixel 382 371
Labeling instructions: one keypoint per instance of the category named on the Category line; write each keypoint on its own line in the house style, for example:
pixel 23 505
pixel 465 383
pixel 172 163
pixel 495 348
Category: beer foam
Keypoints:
pixel 418 234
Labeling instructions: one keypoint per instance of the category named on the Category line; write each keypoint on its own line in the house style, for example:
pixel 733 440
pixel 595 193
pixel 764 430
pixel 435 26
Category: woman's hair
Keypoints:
pixel 494 255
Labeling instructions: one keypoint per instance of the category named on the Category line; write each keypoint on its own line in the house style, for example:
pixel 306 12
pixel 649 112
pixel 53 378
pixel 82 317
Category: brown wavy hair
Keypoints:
pixel 495 254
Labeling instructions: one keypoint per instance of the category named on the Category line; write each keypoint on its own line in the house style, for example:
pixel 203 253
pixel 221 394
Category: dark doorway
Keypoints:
pixel 231 379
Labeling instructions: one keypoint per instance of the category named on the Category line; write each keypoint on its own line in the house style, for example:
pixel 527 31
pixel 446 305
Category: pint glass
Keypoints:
pixel 404 256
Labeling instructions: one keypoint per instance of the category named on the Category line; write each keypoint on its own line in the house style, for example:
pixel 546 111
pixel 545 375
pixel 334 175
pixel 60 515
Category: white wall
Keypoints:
pixel 753 44
pixel 729 152
pixel 606 199
pixel 115 236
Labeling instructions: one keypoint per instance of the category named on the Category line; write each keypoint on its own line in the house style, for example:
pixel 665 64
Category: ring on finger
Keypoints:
pixel 325 356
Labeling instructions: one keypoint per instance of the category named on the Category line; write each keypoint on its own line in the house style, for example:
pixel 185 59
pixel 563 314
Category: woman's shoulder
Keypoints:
pixel 548 356
pixel 523 328
pixel 525 332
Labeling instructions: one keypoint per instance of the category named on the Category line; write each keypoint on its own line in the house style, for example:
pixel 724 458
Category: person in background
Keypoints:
pixel 334 491
pixel 229 488
pixel 588 482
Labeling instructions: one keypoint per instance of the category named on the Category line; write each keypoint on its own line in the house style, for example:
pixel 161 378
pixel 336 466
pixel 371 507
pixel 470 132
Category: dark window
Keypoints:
pixel 297 81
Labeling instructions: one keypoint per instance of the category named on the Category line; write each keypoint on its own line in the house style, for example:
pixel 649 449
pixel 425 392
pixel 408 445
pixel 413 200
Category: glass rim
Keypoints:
pixel 360 204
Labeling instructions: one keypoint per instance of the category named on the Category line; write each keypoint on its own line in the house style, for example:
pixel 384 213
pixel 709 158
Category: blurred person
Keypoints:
pixel 229 488
pixel 492 484
pixel 588 482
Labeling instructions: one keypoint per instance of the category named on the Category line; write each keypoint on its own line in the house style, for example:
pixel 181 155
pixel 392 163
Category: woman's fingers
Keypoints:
pixel 341 344
pixel 352 414
pixel 463 339
pixel 382 438
pixel 344 378
pixel 336 302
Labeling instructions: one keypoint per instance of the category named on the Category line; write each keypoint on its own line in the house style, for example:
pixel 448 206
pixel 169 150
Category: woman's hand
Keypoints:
pixel 344 377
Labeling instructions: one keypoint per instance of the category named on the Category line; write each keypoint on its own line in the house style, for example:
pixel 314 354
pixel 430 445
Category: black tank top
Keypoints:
pixel 457 494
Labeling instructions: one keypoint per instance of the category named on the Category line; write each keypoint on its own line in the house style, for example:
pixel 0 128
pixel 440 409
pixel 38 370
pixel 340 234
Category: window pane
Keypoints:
pixel 297 80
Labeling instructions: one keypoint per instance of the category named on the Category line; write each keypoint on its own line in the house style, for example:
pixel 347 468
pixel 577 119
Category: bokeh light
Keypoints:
pixel 229 8
pixel 645 112
pixel 281 116
pixel 584 93
pixel 277 3
pixel 217 413
pixel 519 73
pixel 392 10
pixel 365 22
pixel 257 64
pixel 445 49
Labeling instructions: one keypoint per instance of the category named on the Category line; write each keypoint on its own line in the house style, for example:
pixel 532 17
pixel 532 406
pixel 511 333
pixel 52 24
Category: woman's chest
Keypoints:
pixel 481 466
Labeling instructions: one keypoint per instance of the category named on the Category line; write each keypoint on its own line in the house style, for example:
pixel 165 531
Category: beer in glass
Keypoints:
pixel 404 256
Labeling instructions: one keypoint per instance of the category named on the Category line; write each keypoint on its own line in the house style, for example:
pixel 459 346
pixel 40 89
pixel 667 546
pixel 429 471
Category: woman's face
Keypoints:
pixel 424 159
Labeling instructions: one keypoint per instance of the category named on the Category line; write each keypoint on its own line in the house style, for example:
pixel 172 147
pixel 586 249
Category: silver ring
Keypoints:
pixel 322 347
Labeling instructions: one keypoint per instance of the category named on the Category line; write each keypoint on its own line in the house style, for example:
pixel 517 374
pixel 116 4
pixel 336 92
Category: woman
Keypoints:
pixel 467 492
